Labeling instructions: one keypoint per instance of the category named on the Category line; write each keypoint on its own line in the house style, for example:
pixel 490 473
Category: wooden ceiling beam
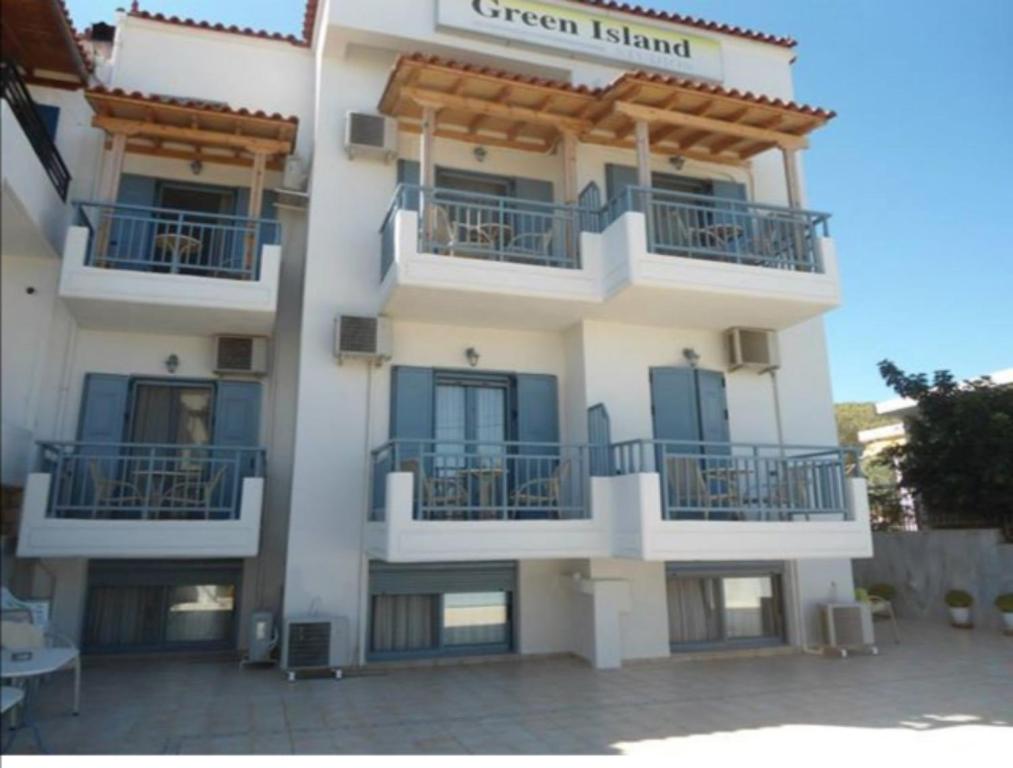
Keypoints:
pixel 471 138
pixel 708 124
pixel 426 97
pixel 692 154
pixel 191 135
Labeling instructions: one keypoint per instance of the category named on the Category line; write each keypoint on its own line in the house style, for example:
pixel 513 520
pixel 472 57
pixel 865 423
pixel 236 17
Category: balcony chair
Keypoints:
pixel 532 245
pixel 192 495
pixel 779 238
pixel 687 481
pixel 437 492
pixel 791 493
pixel 880 605
pixel 112 494
pixel 542 493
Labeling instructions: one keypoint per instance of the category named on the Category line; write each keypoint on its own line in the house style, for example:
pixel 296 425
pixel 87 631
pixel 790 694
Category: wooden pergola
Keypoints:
pixel 38 37
pixel 189 130
pixel 649 113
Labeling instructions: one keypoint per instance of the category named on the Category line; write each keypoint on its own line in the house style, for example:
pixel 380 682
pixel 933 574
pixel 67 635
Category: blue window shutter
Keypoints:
pixel 674 404
pixel 713 410
pixel 103 413
pixel 133 237
pixel 136 190
pixel 50 117
pixel 409 172
pixel 542 192
pixel 236 423
pixel 536 409
pixel 599 437
pixel 727 194
pixel 411 403
pixel 237 413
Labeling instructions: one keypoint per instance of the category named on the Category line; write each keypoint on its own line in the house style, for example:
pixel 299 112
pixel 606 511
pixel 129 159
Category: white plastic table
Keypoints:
pixel 44 661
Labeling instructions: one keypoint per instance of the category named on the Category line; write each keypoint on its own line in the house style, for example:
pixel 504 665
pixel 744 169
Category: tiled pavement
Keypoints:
pixel 940 683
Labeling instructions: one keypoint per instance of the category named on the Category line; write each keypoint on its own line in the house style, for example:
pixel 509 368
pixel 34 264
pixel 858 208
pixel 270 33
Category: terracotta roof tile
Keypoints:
pixel 263 34
pixel 689 21
pixel 204 106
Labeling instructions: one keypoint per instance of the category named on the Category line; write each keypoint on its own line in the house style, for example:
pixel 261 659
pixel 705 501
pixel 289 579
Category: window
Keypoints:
pixel 174 414
pixel 144 605
pixel 708 608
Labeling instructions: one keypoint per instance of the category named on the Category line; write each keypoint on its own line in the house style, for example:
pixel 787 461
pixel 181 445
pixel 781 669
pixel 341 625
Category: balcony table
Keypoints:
pixel 488 478
pixel 171 242
pixel 44 661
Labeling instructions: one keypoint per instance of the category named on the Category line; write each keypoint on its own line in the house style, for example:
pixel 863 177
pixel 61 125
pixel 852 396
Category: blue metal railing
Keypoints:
pixel 147 481
pixel 474 480
pixel 741 481
pixel 473 225
pixel 144 238
pixel 724 229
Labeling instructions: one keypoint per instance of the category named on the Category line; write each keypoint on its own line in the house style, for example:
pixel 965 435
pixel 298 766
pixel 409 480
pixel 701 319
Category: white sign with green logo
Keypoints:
pixel 599 34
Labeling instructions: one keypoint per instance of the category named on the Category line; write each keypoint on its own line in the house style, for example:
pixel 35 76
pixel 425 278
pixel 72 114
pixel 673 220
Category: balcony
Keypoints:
pixel 485 259
pixel 171 271
pixel 35 177
pixel 715 262
pixel 445 500
pixel 714 501
pixel 143 500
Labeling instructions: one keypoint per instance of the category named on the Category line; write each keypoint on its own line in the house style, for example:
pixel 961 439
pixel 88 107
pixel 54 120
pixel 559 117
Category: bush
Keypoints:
pixel 1005 602
pixel 958 598
pixel 884 591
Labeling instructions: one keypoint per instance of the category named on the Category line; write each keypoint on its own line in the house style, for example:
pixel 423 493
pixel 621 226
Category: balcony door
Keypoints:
pixel 201 242
pixel 165 413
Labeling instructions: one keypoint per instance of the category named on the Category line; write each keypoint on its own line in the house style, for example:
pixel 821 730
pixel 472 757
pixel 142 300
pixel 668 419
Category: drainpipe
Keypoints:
pixel 363 561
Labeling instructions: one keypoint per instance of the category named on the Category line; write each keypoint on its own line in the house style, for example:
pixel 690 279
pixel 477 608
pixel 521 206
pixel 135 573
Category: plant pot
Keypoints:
pixel 960 617
pixel 1007 619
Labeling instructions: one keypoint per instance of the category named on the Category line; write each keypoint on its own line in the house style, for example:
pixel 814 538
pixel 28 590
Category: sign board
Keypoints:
pixel 592 33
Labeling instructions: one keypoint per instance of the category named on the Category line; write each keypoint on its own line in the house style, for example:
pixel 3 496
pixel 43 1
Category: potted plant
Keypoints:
pixel 959 603
pixel 1005 605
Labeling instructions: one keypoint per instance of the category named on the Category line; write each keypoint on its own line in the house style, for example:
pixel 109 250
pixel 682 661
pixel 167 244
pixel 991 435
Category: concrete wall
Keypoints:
pixel 924 565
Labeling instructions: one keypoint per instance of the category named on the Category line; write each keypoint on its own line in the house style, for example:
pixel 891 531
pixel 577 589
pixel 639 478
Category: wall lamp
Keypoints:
pixel 677 162
pixel 172 363
pixel 480 153
pixel 473 357
pixel 196 166
pixel 692 356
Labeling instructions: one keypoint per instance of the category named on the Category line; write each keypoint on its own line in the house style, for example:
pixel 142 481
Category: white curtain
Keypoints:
pixel 693 610
pixel 403 622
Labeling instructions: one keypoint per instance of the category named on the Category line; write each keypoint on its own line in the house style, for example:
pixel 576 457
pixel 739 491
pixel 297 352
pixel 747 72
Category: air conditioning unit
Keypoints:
pixel 314 643
pixel 848 627
pixel 366 337
pixel 753 348
pixel 296 174
pixel 370 135
pixel 240 355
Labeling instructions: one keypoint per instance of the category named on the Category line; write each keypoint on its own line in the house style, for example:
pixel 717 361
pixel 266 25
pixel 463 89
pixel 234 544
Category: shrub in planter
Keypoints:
pixel 960 603
pixel 1005 605
pixel 884 591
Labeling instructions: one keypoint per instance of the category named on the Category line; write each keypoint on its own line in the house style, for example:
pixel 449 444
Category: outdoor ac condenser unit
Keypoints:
pixel 313 643
pixel 753 348
pixel 848 627
pixel 365 337
pixel 370 135
pixel 240 355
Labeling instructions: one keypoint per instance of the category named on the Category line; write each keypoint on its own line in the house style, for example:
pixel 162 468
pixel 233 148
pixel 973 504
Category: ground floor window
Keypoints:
pixel 139 606
pixel 440 609
pixel 724 605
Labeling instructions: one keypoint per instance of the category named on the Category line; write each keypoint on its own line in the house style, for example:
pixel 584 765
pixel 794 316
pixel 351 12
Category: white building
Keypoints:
pixel 594 414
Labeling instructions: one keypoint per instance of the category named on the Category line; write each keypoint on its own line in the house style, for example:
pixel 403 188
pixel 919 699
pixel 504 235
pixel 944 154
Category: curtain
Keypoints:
pixel 152 417
pixel 168 414
pixel 403 622
pixel 693 610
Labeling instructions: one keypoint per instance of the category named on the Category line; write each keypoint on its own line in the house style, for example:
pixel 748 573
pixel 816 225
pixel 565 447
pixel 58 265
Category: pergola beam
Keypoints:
pixel 709 124
pixel 425 97
pixel 196 136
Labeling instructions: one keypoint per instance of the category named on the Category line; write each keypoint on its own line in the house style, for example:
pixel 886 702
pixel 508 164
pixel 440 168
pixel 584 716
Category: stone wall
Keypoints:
pixel 924 565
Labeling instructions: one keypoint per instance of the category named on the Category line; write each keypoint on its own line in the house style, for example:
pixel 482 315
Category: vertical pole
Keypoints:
pixel 572 232
pixel 427 170
pixel 643 135
pixel 256 206
pixel 794 202
pixel 108 190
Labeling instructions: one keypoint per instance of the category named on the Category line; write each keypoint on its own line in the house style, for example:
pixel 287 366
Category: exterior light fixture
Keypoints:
pixel 692 356
pixel 472 354
pixel 677 161
pixel 480 153
pixel 172 363
pixel 196 166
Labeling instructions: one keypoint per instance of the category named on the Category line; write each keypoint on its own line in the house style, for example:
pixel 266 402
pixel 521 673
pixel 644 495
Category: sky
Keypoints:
pixel 916 170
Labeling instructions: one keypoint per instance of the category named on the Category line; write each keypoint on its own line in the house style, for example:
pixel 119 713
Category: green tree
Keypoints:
pixel 852 418
pixel 958 458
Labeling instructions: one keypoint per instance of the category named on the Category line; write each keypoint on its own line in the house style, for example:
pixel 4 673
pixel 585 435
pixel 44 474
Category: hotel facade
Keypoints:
pixel 480 326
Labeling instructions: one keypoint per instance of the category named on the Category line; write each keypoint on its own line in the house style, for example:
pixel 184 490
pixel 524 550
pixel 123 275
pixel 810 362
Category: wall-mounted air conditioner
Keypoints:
pixel 753 348
pixel 314 643
pixel 364 337
pixel 370 135
pixel 245 355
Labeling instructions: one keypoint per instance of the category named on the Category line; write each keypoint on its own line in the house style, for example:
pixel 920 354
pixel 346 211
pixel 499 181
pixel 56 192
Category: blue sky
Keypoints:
pixel 917 169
